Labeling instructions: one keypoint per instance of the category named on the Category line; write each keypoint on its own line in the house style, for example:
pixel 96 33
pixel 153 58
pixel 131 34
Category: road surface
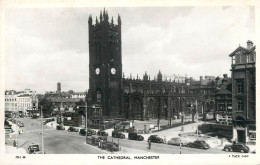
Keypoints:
pixel 64 142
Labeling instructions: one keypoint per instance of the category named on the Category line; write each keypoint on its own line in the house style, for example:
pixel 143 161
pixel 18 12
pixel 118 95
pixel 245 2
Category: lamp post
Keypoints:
pixel 197 119
pixel 42 132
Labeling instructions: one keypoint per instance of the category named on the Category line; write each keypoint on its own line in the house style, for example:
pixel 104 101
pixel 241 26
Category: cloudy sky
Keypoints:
pixel 46 46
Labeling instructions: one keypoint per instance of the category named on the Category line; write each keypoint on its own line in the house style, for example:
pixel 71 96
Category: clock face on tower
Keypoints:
pixel 113 70
pixel 97 71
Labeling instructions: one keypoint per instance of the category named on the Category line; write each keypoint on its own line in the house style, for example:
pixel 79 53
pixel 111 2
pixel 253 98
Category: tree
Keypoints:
pixel 80 103
pixel 46 105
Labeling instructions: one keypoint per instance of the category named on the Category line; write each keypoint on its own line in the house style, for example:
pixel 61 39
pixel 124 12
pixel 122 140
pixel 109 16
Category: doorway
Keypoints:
pixel 241 136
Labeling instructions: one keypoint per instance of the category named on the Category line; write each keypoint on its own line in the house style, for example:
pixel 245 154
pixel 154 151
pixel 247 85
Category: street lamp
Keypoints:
pixel 42 132
pixel 197 119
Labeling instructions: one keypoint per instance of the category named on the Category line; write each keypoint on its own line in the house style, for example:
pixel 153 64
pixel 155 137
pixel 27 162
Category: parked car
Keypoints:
pixel 34 149
pixel 198 144
pixel 82 132
pixel 72 129
pixel 34 116
pixel 252 137
pixel 117 134
pixel 60 127
pixel 177 141
pixel 102 133
pixel 237 147
pixel 155 139
pixel 135 136
pixel 20 124
pixel 91 132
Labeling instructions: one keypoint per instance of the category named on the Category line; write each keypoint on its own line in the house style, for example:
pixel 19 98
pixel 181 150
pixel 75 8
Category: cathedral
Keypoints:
pixel 138 98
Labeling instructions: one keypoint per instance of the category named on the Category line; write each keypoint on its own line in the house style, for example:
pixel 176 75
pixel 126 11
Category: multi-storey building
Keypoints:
pixel 205 88
pixel 243 92
pixel 223 101
pixel 24 103
pixel 11 101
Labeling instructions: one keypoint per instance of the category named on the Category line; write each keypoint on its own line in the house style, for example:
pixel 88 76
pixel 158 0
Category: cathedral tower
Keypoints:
pixel 105 63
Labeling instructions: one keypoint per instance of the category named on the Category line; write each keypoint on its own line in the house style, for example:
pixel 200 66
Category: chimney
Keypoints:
pixel 249 44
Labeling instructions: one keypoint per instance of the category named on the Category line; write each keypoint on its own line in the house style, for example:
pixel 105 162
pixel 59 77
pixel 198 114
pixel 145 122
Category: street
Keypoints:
pixel 64 142
pixel 55 141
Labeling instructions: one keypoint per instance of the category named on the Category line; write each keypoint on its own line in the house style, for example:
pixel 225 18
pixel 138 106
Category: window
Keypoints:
pixel 252 58
pixel 240 87
pixel 134 88
pixel 237 58
pixel 163 89
pixel 243 59
pixel 127 89
pixel 98 96
pixel 140 89
pixel 240 105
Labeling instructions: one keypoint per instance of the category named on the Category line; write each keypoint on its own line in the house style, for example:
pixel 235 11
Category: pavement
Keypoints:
pixel 126 150
pixel 14 150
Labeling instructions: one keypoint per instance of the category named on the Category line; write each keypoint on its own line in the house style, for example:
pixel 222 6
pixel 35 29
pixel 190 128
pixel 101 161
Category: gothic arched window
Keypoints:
pixel 98 96
pixel 134 89
pixel 140 89
pixel 163 90
pixel 127 89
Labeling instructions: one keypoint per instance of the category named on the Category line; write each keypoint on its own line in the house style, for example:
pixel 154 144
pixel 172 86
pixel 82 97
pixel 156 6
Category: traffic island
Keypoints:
pixel 102 143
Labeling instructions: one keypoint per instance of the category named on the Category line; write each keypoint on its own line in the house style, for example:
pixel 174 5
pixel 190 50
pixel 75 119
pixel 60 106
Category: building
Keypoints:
pixel 205 88
pixel 243 92
pixel 133 98
pixel 64 101
pixel 11 101
pixel 223 101
pixel 105 64
pixel 24 103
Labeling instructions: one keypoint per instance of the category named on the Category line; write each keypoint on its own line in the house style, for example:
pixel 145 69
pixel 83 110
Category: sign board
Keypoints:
pixel 68 118
pixel 152 126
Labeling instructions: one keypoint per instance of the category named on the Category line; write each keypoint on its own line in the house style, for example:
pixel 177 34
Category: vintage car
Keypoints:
pixel 72 129
pixel 60 127
pixel 135 136
pixel 91 132
pixel 237 147
pixel 34 149
pixel 102 133
pixel 198 144
pixel 20 124
pixel 155 139
pixel 82 132
pixel 117 134
pixel 177 141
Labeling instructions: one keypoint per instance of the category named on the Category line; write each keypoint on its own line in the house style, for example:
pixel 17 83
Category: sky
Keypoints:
pixel 49 45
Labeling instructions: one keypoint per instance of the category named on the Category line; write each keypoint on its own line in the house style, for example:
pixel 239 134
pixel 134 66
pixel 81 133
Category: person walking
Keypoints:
pixel 149 144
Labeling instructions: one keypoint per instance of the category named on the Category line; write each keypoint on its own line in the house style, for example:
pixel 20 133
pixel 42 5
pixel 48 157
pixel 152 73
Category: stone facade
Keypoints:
pixel 243 91
pixel 140 98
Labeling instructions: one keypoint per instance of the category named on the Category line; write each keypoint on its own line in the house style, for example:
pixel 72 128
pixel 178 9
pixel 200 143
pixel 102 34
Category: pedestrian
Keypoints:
pixel 101 141
pixel 14 143
pixel 149 144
